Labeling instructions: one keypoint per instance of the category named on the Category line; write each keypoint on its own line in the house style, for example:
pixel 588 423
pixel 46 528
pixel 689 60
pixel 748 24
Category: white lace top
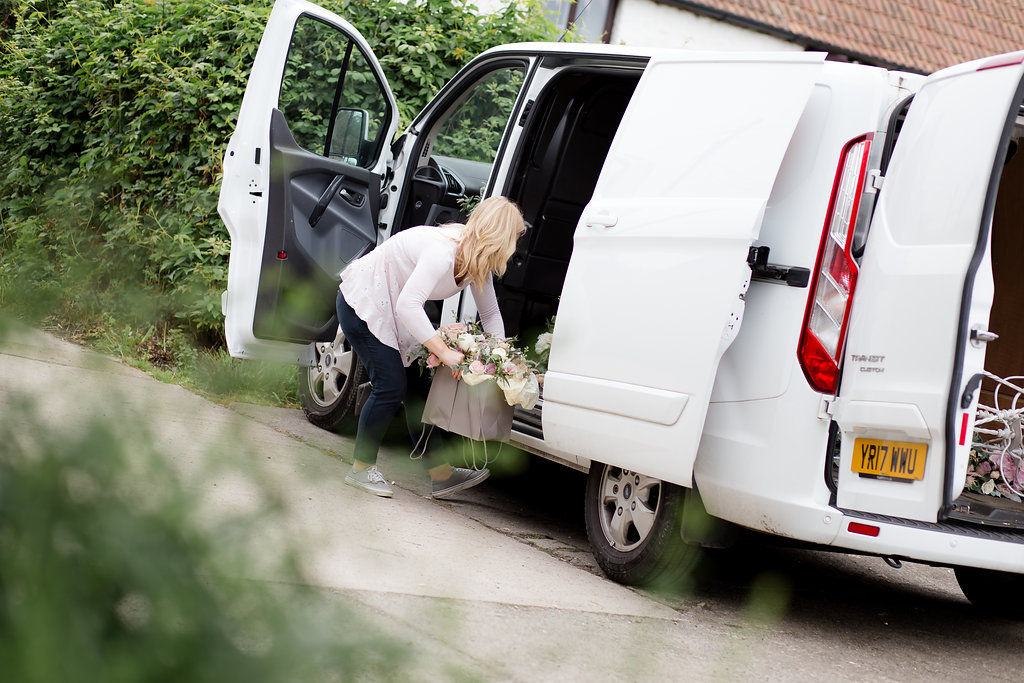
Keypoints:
pixel 388 287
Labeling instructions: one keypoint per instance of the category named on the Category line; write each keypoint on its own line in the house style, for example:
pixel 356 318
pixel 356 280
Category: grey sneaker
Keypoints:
pixel 462 478
pixel 370 480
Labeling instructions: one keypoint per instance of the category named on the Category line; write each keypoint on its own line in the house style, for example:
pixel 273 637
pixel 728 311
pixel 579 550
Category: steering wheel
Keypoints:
pixel 432 175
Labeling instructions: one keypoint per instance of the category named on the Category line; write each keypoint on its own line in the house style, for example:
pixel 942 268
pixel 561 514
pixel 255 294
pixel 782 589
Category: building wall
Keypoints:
pixel 647 23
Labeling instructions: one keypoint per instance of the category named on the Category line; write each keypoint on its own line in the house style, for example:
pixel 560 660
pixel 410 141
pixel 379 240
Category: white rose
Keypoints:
pixel 543 342
pixel 988 487
pixel 500 353
pixel 467 342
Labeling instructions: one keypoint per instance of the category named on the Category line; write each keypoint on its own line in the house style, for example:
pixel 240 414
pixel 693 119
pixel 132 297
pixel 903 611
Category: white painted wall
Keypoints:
pixel 644 23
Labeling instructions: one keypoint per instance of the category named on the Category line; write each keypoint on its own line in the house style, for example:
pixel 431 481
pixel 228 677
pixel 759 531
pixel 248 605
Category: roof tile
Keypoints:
pixel 917 35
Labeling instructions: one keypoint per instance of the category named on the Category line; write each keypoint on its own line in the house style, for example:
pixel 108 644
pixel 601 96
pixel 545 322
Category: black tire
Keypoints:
pixel 329 388
pixel 634 527
pixel 994 591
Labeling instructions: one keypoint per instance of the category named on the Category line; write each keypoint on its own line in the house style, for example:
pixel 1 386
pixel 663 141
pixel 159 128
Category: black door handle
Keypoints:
pixel 325 199
pixel 354 198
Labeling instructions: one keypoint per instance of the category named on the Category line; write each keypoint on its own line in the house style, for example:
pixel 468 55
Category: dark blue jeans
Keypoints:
pixel 392 385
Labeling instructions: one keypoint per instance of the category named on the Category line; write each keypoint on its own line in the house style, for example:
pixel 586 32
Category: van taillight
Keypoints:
pixel 835 276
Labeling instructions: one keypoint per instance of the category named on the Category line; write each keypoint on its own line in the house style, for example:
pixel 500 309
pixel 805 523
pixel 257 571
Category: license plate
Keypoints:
pixel 889 459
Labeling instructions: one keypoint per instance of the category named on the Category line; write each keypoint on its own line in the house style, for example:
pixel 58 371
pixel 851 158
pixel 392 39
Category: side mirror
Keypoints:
pixel 350 135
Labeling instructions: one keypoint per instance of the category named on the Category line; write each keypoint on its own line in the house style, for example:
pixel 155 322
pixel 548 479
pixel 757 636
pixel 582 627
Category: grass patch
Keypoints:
pixel 170 355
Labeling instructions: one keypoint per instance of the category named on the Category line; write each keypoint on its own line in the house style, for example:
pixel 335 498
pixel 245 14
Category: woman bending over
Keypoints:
pixel 380 309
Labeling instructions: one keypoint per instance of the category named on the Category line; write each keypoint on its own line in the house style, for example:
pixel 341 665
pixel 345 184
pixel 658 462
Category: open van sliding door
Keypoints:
pixel 653 295
pixel 302 180
pixel 924 288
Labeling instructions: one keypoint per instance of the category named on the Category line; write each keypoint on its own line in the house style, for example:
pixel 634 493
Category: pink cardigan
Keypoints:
pixel 388 287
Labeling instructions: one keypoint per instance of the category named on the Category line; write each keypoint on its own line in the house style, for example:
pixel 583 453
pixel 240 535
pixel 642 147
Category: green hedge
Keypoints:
pixel 115 116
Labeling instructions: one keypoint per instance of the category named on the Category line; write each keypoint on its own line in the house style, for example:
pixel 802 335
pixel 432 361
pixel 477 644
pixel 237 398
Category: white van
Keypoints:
pixel 672 196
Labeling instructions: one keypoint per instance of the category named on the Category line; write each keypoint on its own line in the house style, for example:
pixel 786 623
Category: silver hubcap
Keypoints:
pixel 629 507
pixel 331 368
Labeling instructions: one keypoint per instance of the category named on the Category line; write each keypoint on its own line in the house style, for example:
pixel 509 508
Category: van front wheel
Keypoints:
pixel 328 388
pixel 633 525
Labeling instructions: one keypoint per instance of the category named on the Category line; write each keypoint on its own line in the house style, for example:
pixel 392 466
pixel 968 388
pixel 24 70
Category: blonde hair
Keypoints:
pixel 488 240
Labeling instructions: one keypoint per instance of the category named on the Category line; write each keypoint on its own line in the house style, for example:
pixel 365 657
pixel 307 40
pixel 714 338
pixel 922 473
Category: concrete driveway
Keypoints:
pixel 470 590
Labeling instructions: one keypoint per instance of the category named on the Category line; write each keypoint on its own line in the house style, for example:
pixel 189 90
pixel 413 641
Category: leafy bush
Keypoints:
pixel 116 115
pixel 423 43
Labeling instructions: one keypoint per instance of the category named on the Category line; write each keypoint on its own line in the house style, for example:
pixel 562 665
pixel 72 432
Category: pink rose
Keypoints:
pixel 490 368
pixel 1009 468
pixel 477 368
pixel 433 361
pixel 509 368
pixel 984 467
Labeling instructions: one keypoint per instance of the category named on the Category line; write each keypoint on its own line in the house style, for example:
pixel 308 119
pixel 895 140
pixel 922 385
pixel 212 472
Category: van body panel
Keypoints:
pixel 628 400
pixel 762 463
pixel 846 102
pixel 676 207
pixel 905 322
pixel 937 545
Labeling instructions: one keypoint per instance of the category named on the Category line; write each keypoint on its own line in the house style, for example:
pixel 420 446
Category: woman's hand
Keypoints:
pixel 448 356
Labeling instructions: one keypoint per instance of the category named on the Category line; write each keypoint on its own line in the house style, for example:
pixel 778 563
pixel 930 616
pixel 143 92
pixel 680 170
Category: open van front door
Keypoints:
pixel 301 194
pixel 923 296
pixel 653 295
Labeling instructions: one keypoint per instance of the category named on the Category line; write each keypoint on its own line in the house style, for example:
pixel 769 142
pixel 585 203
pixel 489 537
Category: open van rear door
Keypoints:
pixel 302 180
pixel 925 284
pixel 654 291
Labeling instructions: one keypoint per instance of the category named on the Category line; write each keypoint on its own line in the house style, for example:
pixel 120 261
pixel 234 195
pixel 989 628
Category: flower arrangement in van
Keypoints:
pixel 997 474
pixel 487 358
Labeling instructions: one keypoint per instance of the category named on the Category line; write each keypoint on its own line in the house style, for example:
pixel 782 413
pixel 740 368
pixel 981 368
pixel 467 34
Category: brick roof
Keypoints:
pixel 914 35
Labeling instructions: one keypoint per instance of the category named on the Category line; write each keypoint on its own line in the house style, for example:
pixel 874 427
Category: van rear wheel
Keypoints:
pixel 991 590
pixel 634 526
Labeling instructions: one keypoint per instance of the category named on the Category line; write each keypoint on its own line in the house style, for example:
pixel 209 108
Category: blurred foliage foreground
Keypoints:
pixel 118 561
pixel 115 116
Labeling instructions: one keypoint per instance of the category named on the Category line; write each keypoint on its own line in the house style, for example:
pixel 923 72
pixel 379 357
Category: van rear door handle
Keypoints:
pixel 603 218
pixel 980 336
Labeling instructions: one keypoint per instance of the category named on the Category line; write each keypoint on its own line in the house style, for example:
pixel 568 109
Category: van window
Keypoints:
pixel 328 80
pixel 462 144
pixel 473 130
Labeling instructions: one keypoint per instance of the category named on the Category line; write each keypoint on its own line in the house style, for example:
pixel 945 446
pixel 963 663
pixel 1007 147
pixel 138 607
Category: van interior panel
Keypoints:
pixel 567 140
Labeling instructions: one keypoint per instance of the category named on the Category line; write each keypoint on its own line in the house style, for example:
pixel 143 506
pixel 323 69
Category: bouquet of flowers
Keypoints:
pixel 998 474
pixel 487 358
